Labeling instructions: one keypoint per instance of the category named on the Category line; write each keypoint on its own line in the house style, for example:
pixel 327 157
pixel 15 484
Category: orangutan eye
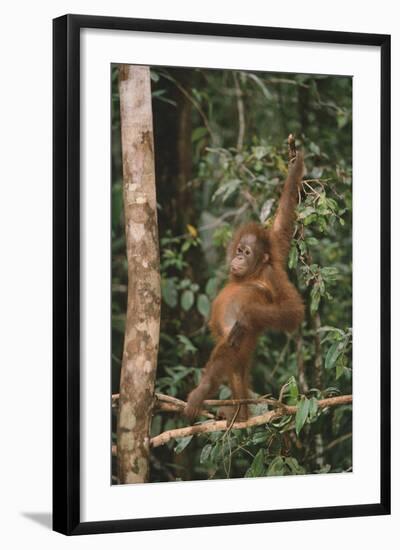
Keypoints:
pixel 247 252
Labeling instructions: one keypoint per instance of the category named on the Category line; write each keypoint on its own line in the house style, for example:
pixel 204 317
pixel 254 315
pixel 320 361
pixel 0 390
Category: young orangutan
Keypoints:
pixel 258 296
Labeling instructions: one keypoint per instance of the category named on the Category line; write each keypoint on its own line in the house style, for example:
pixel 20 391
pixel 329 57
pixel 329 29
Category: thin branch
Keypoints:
pixel 172 404
pixel 318 370
pixel 119 288
pixel 192 100
pixel 338 441
pixel 333 444
pixel 300 363
pixel 170 399
pixel 286 81
pixel 236 213
pixel 250 199
pixel 177 404
pixel 235 402
pixel 281 356
pixel 240 108
pixel 222 425
pixel 282 392
pixel 165 403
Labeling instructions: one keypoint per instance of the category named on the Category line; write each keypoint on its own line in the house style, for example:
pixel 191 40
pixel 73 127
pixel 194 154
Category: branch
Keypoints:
pixel 222 425
pixel 236 402
pixel 300 363
pixel 167 403
pixel 240 108
pixel 318 370
pixel 188 96
pixel 175 404
pixel 333 444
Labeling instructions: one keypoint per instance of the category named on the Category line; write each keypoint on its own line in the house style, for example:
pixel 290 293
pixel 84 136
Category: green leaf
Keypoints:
pixel 169 292
pixel 310 219
pixel 314 148
pixel 266 210
pixel 303 247
pixel 257 467
pixel 185 283
pixel 277 467
pixel 182 444
pixel 188 346
pixel 302 412
pixel 315 299
pixel 312 241
pixel 187 300
pixel 331 391
pixel 339 370
pixel 261 84
pixel 205 453
pixel 333 205
pixel 332 355
pixel 203 305
pixel 308 210
pixel 282 422
pixel 211 287
pixel 293 257
pixel 225 392
pixel 324 469
pixel 342 119
pixel 215 452
pixel 226 190
pixel 198 133
pixel 160 94
pixel 294 466
pixel 337 331
pixel 329 273
pixel 341 364
pixel 292 388
pixel 260 437
pixel 259 152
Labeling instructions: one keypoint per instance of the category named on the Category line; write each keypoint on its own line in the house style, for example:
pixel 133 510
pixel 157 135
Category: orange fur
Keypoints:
pixel 259 298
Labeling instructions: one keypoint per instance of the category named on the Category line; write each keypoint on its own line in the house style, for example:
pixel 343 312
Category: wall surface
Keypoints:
pixel 25 217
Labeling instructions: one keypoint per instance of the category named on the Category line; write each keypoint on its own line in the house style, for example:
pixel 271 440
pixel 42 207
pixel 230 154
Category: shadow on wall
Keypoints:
pixel 42 518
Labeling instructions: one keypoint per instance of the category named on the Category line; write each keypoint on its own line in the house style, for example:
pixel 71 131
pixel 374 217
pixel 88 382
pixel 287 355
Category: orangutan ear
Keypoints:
pixel 266 258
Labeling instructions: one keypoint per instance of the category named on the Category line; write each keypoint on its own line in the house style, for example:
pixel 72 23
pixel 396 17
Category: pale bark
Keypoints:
pixel 143 308
pixel 223 425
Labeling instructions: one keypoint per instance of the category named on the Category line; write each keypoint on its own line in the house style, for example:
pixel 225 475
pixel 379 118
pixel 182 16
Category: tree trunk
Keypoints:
pixel 144 296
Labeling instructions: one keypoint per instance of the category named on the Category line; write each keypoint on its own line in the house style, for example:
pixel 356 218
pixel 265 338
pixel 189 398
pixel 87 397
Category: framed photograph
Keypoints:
pixel 221 274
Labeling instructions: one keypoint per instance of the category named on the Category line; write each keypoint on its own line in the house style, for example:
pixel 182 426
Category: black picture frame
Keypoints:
pixel 66 273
